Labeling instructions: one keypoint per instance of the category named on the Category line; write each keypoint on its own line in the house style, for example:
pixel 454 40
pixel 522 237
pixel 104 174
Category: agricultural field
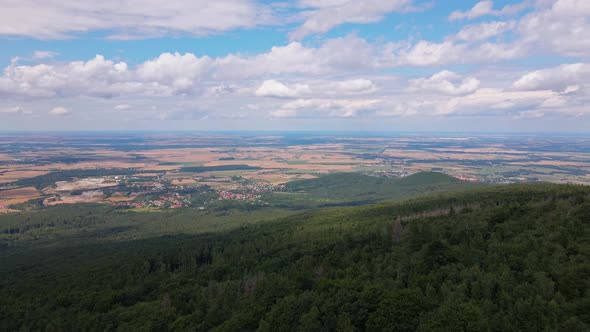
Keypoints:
pixel 162 171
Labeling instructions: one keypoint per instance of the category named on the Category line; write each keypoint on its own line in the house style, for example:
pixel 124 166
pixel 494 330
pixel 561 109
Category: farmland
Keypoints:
pixel 154 169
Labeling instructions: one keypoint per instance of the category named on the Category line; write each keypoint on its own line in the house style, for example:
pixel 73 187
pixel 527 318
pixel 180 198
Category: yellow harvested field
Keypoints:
pixel 10 176
pixel 182 182
pixel 18 195
pixel 278 178
pixel 415 154
pixel 115 199
pixel 97 164
pixel 145 175
pixel 8 210
pixel 183 155
pixel 334 164
pixel 158 168
pixel 554 163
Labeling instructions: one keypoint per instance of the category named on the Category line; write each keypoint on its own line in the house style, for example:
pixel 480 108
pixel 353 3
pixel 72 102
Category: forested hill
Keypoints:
pixel 359 187
pixel 509 258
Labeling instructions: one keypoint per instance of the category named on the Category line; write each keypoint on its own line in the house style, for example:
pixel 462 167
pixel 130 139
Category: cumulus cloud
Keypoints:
pixel 480 9
pixel 59 111
pixel 337 77
pixel 272 88
pixel 425 53
pixel 168 74
pixel 51 19
pixel 561 28
pixel 519 104
pixel 322 16
pixel 557 79
pixel 349 53
pixel 185 74
pixel 316 88
pixel 318 107
pixel 359 85
pixel 177 72
pixel 483 31
pixel 446 82
pixel 485 8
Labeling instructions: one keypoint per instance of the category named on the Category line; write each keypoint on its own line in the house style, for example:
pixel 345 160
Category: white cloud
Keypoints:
pixel 445 82
pixel 282 113
pixel 322 16
pixel 485 8
pixel 272 88
pixel 425 53
pixel 561 28
pixel 557 79
pixel 59 111
pixel 168 74
pixel 179 73
pixel 316 88
pixel 532 114
pixel 480 9
pixel 98 76
pixel 51 19
pixel 348 54
pixel 343 108
pixel 12 110
pixel 494 102
pixel 359 85
pixel 122 107
pixel 44 55
pixel 187 74
pixel 483 31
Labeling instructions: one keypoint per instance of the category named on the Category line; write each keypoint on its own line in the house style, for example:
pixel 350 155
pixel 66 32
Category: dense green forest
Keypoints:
pixel 508 258
pixel 346 189
pixel 92 221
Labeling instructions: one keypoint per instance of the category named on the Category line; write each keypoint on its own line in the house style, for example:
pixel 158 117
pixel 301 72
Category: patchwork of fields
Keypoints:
pixel 125 169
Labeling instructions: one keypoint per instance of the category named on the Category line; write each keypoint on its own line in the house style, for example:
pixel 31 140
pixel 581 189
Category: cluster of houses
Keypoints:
pixel 248 192
pixel 174 202
pixel 394 174
pixel 467 178
pixel 234 196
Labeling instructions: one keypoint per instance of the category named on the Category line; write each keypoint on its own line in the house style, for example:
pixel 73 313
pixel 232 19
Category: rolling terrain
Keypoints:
pixel 508 258
pixel 72 222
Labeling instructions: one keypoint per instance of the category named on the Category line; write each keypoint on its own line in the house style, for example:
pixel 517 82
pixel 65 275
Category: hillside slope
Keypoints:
pixel 347 188
pixel 510 258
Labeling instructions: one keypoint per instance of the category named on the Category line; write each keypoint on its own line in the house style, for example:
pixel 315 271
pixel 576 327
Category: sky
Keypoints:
pixel 309 65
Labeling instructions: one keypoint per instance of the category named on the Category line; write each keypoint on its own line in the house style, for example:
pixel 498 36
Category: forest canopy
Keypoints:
pixel 510 258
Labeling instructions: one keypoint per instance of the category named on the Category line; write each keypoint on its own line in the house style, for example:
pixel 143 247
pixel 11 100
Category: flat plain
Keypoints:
pixel 132 168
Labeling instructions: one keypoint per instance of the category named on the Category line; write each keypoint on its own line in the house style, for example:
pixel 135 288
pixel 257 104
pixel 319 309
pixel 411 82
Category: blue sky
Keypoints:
pixel 399 65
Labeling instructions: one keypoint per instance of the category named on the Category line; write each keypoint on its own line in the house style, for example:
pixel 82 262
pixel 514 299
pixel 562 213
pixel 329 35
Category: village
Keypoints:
pixel 153 192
